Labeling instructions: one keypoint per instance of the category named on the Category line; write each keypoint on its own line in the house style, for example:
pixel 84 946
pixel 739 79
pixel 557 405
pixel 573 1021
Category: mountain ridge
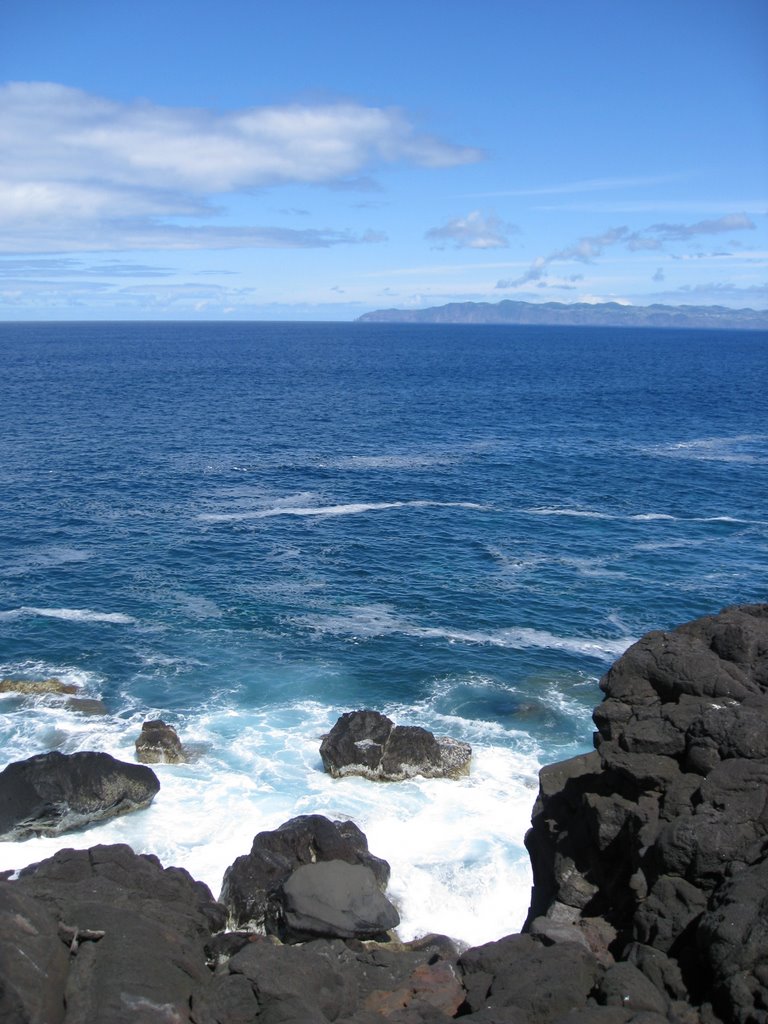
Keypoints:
pixel 585 314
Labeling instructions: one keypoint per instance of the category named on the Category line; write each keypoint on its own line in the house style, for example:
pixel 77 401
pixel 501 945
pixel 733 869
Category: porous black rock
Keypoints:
pixel 52 793
pixel 369 744
pixel 252 887
pixel 662 831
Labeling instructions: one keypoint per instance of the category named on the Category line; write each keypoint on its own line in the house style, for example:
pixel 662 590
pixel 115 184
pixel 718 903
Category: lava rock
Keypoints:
pixel 333 899
pixel 89 706
pixel 252 885
pixel 52 793
pixel 369 744
pixel 159 743
pixel 544 982
pixel 30 949
pixel 132 935
pixel 662 832
pixel 733 940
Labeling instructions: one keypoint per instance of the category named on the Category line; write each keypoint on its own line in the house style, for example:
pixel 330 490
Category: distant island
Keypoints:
pixel 576 314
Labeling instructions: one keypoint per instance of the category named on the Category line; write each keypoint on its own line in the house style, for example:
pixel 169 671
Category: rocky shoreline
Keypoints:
pixel 649 904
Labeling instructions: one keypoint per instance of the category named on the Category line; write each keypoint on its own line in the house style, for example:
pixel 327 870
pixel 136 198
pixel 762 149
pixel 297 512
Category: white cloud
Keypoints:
pixel 474 231
pixel 588 185
pixel 71 160
pixel 681 232
pixel 589 247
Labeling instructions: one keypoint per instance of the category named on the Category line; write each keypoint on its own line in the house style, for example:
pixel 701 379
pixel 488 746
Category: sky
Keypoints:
pixel 249 159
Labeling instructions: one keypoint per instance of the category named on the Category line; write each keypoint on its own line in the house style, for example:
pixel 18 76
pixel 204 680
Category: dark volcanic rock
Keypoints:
pixel 663 831
pixel 650 901
pixel 544 982
pixel 139 934
pixel 90 706
pixel 53 793
pixel 253 883
pixel 30 950
pixel 733 939
pixel 159 743
pixel 334 899
pixel 368 743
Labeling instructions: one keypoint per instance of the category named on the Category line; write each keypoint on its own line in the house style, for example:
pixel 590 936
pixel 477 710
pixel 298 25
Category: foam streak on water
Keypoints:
pixel 249 529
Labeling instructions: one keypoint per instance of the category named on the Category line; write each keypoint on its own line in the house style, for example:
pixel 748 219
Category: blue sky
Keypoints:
pixel 315 160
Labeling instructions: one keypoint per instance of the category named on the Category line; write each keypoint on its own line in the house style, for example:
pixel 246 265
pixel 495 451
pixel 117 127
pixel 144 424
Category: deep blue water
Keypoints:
pixel 249 528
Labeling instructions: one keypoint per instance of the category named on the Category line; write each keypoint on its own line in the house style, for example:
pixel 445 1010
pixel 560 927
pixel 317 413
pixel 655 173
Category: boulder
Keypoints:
pixel 333 899
pixel 252 885
pixel 159 743
pixel 49 794
pixel 369 744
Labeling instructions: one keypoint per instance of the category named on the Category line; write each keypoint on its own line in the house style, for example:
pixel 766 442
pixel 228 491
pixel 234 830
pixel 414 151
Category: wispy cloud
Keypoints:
pixel 474 231
pixel 624 205
pixel 587 185
pixel 726 290
pixel 48 267
pixel 80 172
pixel 152 234
pixel 589 247
pixel 682 232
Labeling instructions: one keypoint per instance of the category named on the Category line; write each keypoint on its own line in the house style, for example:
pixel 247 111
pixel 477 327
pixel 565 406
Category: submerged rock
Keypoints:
pixel 52 793
pixel 32 687
pixel 368 743
pixel 90 706
pixel 159 743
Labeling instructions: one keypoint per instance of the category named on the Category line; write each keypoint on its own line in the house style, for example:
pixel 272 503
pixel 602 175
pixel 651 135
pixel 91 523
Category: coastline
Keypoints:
pixel 645 853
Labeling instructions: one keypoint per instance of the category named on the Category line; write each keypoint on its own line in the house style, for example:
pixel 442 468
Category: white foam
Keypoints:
pixel 593 568
pixel 361 621
pixel 455 846
pixel 578 513
pixel 348 509
pixel 45 558
pixel 79 615
pixel 416 462
pixel 749 448
pixel 652 517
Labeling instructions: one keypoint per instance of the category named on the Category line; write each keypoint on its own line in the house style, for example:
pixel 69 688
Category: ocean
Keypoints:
pixel 248 529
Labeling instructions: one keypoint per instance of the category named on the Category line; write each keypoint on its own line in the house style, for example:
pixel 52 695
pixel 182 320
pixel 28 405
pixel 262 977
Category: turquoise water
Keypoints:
pixel 247 529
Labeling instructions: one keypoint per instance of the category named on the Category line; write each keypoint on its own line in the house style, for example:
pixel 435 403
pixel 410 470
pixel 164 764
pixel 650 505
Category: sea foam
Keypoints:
pixel 454 846
pixel 381 620
pixel 346 509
